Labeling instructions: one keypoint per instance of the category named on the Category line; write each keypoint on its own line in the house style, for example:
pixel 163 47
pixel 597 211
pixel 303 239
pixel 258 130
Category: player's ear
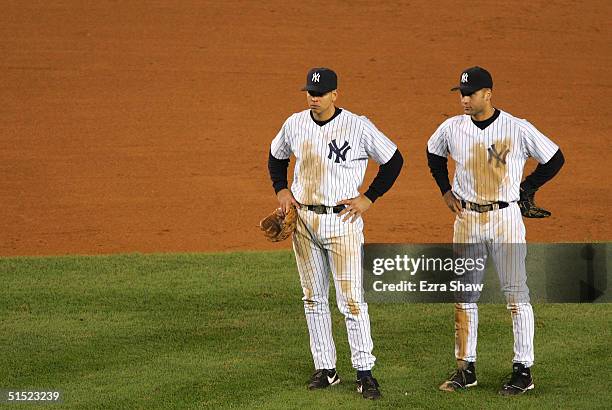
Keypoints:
pixel 334 95
pixel 488 94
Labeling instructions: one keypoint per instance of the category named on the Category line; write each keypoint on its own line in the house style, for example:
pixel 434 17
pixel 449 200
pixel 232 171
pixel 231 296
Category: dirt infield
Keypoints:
pixel 128 128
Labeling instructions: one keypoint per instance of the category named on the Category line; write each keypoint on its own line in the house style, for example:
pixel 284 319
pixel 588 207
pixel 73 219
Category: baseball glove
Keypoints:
pixel 277 226
pixel 529 209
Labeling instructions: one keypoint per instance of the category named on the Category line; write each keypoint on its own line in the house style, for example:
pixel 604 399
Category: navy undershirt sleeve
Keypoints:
pixel 387 174
pixel 438 166
pixel 278 172
pixel 544 172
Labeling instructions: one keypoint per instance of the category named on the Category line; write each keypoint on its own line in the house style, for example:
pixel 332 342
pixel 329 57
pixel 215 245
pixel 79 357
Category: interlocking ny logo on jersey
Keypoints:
pixel 464 77
pixel 500 156
pixel 340 152
pixel 316 77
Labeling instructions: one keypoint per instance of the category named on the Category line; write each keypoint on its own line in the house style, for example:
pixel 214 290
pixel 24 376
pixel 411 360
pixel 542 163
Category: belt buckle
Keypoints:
pixel 319 209
pixel 478 208
pixel 472 206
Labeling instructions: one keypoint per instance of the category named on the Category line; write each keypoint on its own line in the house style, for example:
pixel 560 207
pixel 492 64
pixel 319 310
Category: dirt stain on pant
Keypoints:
pixel 302 241
pixel 513 307
pixel 353 307
pixel 461 330
pixel 308 297
pixel 346 289
pixel 342 267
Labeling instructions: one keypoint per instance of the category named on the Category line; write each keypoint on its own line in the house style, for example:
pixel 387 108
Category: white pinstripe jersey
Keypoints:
pixel 330 160
pixel 489 162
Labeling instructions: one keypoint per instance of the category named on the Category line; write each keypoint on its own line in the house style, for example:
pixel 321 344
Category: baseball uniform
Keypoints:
pixel 330 162
pixel 330 166
pixel 490 156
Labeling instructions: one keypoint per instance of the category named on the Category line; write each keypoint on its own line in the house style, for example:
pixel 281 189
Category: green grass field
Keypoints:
pixel 228 330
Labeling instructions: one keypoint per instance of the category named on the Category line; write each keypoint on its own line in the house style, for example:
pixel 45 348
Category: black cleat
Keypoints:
pixel 323 378
pixel 462 378
pixel 520 381
pixel 368 387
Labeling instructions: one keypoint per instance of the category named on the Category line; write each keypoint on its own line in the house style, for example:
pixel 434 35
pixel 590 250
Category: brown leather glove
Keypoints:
pixel 277 226
pixel 529 209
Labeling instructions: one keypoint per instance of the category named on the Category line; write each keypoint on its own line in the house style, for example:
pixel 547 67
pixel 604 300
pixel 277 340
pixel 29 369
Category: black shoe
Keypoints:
pixel 520 381
pixel 462 378
pixel 368 387
pixel 323 378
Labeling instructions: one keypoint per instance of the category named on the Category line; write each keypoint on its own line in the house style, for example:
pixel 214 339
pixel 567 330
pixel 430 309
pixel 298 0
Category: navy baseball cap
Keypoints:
pixel 473 79
pixel 321 80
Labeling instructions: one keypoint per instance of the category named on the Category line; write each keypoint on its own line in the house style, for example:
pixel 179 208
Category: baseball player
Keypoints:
pixel 331 146
pixel 490 147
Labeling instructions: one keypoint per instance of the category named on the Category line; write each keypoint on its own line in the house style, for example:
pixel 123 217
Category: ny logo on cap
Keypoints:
pixel 315 77
pixel 464 77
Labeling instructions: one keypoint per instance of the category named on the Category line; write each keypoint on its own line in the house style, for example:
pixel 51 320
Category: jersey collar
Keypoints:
pixel 484 124
pixel 322 123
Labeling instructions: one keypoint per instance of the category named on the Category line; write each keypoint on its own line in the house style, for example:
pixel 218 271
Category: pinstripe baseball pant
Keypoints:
pixel 501 235
pixel 322 244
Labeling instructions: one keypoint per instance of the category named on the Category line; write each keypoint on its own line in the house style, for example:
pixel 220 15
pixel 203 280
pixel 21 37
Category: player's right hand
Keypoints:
pixel 286 199
pixel 452 202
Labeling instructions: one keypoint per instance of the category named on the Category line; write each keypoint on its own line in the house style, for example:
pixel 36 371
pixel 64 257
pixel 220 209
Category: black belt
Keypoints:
pixel 483 208
pixel 322 209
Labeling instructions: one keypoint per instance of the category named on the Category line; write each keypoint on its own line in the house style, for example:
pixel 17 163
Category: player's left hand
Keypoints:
pixel 354 208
